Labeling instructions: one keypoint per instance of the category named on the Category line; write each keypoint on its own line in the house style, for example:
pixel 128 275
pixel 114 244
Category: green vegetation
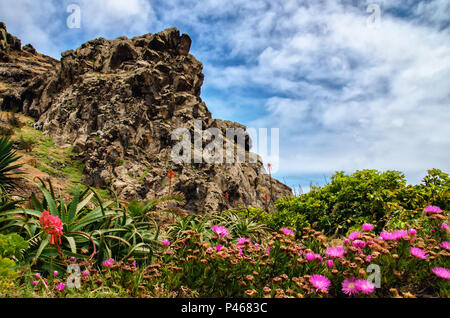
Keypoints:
pixel 382 198
pixel 7 164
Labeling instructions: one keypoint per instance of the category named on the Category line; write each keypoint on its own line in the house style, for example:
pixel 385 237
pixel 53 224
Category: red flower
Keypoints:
pixel 269 166
pixel 227 195
pixel 171 174
pixel 266 197
pixel 53 226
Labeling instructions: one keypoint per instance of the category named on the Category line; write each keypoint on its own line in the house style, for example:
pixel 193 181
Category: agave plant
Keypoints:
pixel 195 223
pixel 7 167
pixel 78 221
pixel 239 226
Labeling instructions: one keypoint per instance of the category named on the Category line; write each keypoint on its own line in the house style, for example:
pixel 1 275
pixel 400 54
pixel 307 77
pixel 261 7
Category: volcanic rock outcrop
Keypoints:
pixel 118 102
pixel 18 66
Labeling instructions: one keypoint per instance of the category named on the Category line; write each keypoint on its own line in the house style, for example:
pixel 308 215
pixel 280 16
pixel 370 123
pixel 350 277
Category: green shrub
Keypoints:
pixel 365 196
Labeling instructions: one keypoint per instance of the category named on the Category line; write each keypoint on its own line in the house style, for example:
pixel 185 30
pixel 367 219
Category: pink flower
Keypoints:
pixel 256 245
pixel 218 247
pixel 387 236
pixel 72 258
pixel 367 227
pixel 166 242
pixel 433 209
pixel 330 263
pixel 417 252
pixel 37 275
pixel 85 273
pixel 55 273
pixel 60 286
pixel 243 240
pixel 240 252
pixel 221 231
pixel 320 282
pixel 445 226
pixel 108 262
pixel 398 234
pixel 368 258
pixel 412 232
pixel 335 252
pixel 268 251
pixel 287 231
pixel 350 286
pixel 310 256
pixel 34 282
pixel 445 244
pixel 442 272
pixel 346 241
pixel 358 243
pixel 354 235
pixel 365 286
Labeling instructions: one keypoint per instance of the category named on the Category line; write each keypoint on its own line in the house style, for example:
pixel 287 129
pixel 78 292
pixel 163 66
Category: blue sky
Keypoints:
pixel 345 94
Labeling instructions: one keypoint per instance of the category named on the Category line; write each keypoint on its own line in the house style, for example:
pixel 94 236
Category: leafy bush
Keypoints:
pixel 365 196
pixel 11 246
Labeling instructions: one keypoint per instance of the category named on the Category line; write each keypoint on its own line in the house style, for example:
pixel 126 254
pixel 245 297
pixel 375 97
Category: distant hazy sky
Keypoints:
pixel 345 94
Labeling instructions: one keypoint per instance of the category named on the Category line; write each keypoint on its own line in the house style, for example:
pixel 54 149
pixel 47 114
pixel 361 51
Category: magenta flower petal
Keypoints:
pixel 320 282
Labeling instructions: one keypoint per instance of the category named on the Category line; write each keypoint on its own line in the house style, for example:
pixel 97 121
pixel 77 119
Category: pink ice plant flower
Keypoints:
pixel 350 286
pixel 320 282
pixel 398 234
pixel 287 231
pixel 60 286
pixel 354 235
pixel 442 272
pixel 310 256
pixel 37 275
pixel 34 282
pixel 166 242
pixel 445 226
pixel 108 262
pixel 445 244
pixel 365 286
pixel 417 252
pixel 358 243
pixel 412 232
pixel 218 247
pixel 330 263
pixel 55 273
pixel 243 240
pixel 335 252
pixel 387 236
pixel 367 227
pixel 85 273
pixel 433 209
pixel 221 231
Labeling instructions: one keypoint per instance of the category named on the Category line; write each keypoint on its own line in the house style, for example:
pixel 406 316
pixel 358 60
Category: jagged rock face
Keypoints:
pixel 18 66
pixel 118 103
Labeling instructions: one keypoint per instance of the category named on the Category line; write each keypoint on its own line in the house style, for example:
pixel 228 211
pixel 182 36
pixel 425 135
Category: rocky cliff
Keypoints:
pixel 18 66
pixel 118 103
